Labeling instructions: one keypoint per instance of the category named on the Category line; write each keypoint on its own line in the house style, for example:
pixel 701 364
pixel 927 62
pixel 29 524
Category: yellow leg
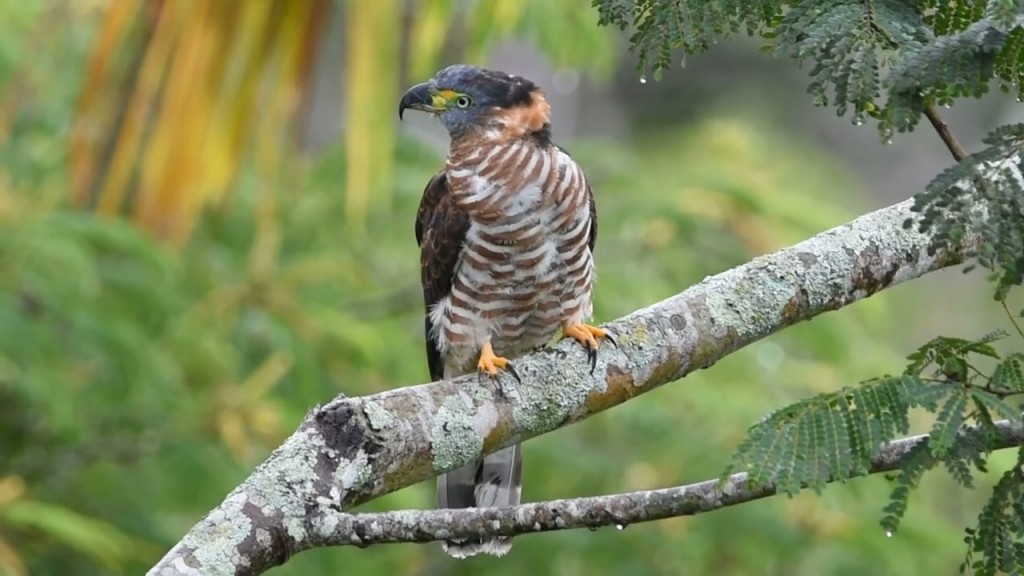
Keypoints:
pixel 490 362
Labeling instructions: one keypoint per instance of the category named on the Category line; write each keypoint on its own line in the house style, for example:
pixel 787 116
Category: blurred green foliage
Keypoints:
pixel 139 384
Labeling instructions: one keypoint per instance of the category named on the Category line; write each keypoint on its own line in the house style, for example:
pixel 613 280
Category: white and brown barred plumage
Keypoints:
pixel 506 232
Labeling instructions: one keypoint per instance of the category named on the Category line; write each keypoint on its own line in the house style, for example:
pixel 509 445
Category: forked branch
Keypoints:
pixel 354 449
pixel 619 510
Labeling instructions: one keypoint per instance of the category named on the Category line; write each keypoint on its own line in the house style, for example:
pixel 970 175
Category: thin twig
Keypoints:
pixel 340 529
pixel 944 132
pixel 979 373
pixel 1010 316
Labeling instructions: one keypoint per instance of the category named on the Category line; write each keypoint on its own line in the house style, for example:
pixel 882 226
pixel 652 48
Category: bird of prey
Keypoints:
pixel 506 232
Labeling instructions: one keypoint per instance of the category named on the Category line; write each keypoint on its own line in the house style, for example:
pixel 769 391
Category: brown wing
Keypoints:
pixel 441 228
pixel 592 241
pixel 593 218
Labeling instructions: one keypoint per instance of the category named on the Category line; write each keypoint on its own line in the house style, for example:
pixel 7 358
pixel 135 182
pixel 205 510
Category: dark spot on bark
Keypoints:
pixel 678 322
pixel 872 277
pixel 361 533
pixel 345 432
pixel 619 388
pixel 807 259
pixel 326 466
pixel 341 428
pixel 890 275
pixel 796 308
pixel 281 545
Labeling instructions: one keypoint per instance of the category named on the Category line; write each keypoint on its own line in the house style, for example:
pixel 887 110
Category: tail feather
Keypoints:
pixel 494 480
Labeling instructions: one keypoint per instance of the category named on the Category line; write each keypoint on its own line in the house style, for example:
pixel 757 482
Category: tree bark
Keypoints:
pixel 619 510
pixel 354 449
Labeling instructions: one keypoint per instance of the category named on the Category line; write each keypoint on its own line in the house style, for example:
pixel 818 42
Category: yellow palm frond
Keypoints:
pixel 164 135
pixel 370 85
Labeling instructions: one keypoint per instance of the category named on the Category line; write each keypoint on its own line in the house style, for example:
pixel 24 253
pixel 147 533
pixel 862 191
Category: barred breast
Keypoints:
pixel 526 268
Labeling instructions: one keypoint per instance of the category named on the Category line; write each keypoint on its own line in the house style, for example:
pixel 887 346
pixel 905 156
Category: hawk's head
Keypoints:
pixel 465 97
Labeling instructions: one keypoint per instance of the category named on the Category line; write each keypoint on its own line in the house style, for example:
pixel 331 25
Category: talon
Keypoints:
pixel 588 336
pixel 610 339
pixel 490 363
pixel 512 370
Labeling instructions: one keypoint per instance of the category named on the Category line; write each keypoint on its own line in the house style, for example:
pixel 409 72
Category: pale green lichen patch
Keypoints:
pixel 352 473
pixel 543 406
pixel 751 301
pixel 295 527
pixel 326 524
pixel 727 305
pixel 215 542
pixel 637 333
pixel 672 331
pixel 277 487
pixel 378 416
pixel 263 538
pixel 453 437
pixel 481 394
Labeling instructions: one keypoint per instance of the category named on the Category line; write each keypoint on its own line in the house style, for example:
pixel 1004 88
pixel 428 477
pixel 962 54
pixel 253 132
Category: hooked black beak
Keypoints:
pixel 421 97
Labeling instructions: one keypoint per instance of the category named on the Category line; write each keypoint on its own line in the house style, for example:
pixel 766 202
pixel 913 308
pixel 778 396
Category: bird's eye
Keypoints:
pixel 463 101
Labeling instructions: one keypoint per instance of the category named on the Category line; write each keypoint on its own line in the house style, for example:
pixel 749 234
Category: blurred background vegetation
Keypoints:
pixel 206 228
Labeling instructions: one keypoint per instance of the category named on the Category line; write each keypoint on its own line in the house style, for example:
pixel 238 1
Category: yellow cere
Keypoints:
pixel 443 97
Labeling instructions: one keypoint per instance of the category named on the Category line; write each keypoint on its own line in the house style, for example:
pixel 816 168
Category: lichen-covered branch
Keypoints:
pixel 619 510
pixel 354 449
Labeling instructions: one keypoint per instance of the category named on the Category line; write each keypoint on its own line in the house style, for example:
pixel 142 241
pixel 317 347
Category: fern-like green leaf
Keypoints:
pixel 955 204
pixel 994 545
pixel 847 42
pixel 836 435
pixel 856 432
pixel 1008 375
pixel 884 59
pixel 947 423
pixel 948 16
pixel 1004 12
pixel 918 461
pixel 940 351
pixel 1009 63
pixel 690 25
pixel 949 67
pixel 991 405
pixel 960 470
